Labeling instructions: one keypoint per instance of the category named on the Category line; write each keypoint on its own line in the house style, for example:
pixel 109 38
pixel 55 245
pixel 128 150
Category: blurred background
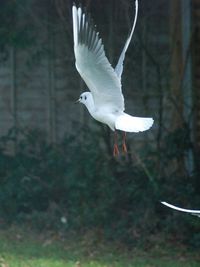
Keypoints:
pixel 56 165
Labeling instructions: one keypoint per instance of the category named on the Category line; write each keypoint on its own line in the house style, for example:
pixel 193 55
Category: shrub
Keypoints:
pixel 78 185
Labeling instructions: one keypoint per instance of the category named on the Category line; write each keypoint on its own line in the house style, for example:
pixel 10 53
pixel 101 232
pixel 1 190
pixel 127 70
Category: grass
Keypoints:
pixel 20 248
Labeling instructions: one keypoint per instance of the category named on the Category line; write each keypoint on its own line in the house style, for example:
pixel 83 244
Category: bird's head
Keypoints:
pixel 85 98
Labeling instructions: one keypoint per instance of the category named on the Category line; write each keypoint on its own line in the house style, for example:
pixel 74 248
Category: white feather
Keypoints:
pixel 193 212
pixel 75 25
pixel 129 123
pixel 93 65
pixel 119 66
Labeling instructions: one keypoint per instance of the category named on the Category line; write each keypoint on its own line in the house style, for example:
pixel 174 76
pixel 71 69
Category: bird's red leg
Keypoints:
pixel 115 149
pixel 124 148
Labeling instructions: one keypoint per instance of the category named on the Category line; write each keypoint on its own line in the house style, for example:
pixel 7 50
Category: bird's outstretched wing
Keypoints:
pixel 192 212
pixel 119 66
pixel 93 65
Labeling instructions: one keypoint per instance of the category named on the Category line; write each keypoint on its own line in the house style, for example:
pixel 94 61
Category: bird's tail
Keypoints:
pixel 129 123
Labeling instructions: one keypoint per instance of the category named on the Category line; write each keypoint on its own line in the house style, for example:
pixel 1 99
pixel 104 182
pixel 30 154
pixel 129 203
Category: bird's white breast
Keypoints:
pixel 106 117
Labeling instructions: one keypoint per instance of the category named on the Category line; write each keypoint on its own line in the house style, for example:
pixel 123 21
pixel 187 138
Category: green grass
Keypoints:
pixel 20 248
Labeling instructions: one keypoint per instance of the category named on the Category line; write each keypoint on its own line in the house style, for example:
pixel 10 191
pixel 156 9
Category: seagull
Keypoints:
pixel 192 212
pixel 104 101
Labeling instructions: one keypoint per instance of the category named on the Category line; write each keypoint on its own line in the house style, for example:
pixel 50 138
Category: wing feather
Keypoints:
pixel 119 66
pixel 93 65
pixel 193 212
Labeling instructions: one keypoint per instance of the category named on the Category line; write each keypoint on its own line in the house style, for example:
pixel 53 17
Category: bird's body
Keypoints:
pixel 106 117
pixel 105 101
pixel 103 114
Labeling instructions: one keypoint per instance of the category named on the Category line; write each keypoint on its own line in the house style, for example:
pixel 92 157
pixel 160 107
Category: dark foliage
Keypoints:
pixel 77 180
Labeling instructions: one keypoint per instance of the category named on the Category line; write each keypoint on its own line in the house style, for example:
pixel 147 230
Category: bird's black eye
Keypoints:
pixel 81 97
pixel 85 97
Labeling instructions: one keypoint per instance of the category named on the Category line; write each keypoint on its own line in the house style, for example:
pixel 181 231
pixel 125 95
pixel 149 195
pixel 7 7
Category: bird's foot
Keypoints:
pixel 124 148
pixel 115 150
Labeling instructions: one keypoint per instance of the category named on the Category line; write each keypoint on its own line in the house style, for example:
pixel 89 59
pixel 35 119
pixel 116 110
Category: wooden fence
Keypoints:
pixel 39 83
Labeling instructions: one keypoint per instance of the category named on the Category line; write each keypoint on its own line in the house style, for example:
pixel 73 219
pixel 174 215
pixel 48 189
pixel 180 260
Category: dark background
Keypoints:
pixel 56 162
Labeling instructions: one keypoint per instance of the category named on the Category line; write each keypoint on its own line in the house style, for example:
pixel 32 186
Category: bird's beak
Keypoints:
pixel 77 101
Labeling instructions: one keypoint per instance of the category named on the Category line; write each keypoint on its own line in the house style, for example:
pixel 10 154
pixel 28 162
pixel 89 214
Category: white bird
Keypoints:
pixel 105 101
pixel 192 212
